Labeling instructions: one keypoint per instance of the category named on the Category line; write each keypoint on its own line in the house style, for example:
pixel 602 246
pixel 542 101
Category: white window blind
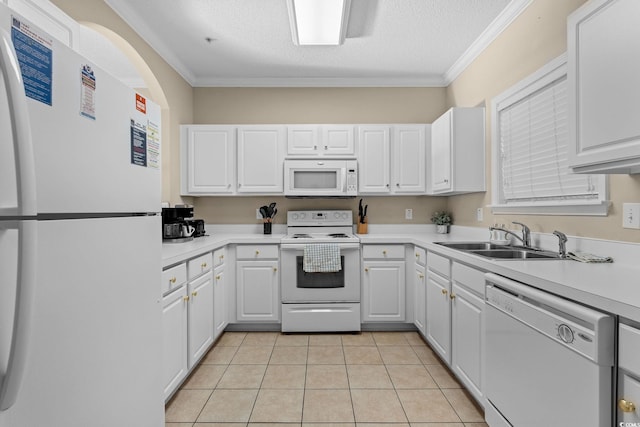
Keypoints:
pixel 532 145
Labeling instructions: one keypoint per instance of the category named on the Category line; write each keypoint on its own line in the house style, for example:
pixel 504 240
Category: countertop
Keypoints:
pixel 614 288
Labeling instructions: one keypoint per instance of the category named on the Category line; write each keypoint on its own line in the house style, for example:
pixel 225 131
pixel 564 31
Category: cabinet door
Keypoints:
pixel 441 153
pixel 373 159
pixel 439 315
pixel 409 152
pixel 302 140
pixel 628 392
pixel 604 86
pixel 419 299
pixel 208 160
pixel 466 337
pixel 200 317
pixel 261 159
pixel 383 291
pixel 174 340
pixel 337 140
pixel 220 318
pixel 257 291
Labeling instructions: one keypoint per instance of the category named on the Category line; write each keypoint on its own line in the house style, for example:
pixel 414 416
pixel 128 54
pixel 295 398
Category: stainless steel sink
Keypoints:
pixel 516 254
pixel 472 246
pixel 502 252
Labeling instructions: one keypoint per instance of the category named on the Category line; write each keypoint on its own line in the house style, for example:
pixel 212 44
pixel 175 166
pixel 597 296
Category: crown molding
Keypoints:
pixel 137 24
pixel 434 81
pixel 502 21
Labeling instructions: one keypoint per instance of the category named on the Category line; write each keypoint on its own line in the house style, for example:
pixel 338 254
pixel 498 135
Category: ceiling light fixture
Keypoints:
pixel 318 22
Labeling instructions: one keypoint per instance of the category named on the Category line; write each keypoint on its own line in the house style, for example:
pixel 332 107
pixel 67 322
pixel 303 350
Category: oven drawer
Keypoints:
pixel 383 251
pixel 336 317
pixel 257 252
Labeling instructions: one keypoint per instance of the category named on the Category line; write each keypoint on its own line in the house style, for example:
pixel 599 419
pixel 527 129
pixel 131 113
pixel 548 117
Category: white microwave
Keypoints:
pixel 320 178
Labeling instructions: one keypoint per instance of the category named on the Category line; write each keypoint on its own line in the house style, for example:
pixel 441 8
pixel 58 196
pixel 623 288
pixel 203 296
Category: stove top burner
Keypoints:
pixel 301 236
pixel 337 235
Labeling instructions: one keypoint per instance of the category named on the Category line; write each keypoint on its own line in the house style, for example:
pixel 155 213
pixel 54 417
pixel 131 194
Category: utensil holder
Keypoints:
pixel 266 228
pixel 362 228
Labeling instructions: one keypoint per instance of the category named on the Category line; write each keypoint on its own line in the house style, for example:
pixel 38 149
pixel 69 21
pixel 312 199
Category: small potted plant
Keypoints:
pixel 442 220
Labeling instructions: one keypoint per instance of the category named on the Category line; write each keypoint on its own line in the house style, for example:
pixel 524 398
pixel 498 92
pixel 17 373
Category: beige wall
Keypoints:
pixel 175 95
pixel 534 38
pixel 317 105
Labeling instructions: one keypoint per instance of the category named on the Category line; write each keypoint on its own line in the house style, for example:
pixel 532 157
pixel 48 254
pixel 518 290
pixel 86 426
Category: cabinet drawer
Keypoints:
pixel 200 265
pixel 439 264
pixel 420 256
pixel 383 251
pixel 629 348
pixel 468 277
pixel 174 277
pixel 218 256
pixel 257 252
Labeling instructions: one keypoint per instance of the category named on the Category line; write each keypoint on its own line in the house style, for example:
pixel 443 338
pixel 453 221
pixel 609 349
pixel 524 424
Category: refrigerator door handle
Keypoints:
pixel 22 234
pixel 21 131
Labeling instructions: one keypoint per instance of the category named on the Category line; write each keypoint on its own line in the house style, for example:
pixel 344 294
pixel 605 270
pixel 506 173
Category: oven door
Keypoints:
pixel 300 286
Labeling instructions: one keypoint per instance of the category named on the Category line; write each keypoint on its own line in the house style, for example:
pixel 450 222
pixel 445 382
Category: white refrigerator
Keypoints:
pixel 80 240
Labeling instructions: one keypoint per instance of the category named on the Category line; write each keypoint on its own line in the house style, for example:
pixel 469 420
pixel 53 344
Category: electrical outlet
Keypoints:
pixel 408 214
pixel 258 214
pixel 479 214
pixel 631 215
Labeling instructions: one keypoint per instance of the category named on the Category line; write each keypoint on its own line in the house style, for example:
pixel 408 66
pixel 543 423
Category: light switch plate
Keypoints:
pixel 631 215
pixel 479 214
pixel 408 214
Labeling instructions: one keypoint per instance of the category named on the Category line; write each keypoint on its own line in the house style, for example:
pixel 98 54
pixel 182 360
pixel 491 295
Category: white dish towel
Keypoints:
pixel 321 258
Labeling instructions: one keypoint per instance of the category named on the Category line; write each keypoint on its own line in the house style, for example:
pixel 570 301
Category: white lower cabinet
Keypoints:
pixel 438 314
pixel 419 295
pixel 257 283
pixel 628 402
pixel 220 319
pixel 174 340
pixel 383 283
pixel 455 320
pixel 200 293
pixel 466 339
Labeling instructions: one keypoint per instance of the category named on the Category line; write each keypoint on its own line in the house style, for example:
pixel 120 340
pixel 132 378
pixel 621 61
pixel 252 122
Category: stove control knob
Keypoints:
pixel 294 216
pixel 565 333
pixel 336 214
pixel 302 215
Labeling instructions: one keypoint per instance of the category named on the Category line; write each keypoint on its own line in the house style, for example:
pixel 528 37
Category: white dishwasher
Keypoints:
pixel 549 361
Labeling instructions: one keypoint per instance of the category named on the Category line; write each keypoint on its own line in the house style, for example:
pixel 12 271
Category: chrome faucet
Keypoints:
pixel 526 233
pixel 562 240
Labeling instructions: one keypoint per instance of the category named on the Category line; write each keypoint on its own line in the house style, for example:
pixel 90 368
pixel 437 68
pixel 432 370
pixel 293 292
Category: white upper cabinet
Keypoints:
pixel 457 158
pixel 261 158
pixel 373 159
pixel 392 159
pixel 409 158
pixel 604 87
pixel 320 140
pixel 208 162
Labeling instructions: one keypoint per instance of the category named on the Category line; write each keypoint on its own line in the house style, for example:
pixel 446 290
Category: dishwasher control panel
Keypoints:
pixel 574 327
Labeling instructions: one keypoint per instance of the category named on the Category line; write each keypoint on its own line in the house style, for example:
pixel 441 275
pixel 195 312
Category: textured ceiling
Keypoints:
pixel 389 42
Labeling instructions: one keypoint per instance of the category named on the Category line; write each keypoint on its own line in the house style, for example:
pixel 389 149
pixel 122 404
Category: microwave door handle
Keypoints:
pixel 344 180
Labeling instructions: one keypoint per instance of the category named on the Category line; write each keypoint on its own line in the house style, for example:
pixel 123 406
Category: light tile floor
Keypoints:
pixel 265 379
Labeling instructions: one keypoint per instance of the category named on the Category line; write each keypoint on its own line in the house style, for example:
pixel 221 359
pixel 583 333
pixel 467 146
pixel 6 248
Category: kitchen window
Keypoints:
pixel 530 151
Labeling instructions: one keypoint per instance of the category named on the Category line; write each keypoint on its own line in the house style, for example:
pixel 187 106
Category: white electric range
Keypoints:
pixel 319 302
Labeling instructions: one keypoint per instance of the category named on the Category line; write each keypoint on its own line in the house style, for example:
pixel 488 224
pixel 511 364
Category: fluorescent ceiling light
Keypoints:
pixel 318 22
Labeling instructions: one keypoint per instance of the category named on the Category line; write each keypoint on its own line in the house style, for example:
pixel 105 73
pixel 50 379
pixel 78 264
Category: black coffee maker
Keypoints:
pixel 174 225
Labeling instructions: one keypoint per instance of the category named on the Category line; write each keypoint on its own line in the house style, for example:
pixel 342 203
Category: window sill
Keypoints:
pixel 599 208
